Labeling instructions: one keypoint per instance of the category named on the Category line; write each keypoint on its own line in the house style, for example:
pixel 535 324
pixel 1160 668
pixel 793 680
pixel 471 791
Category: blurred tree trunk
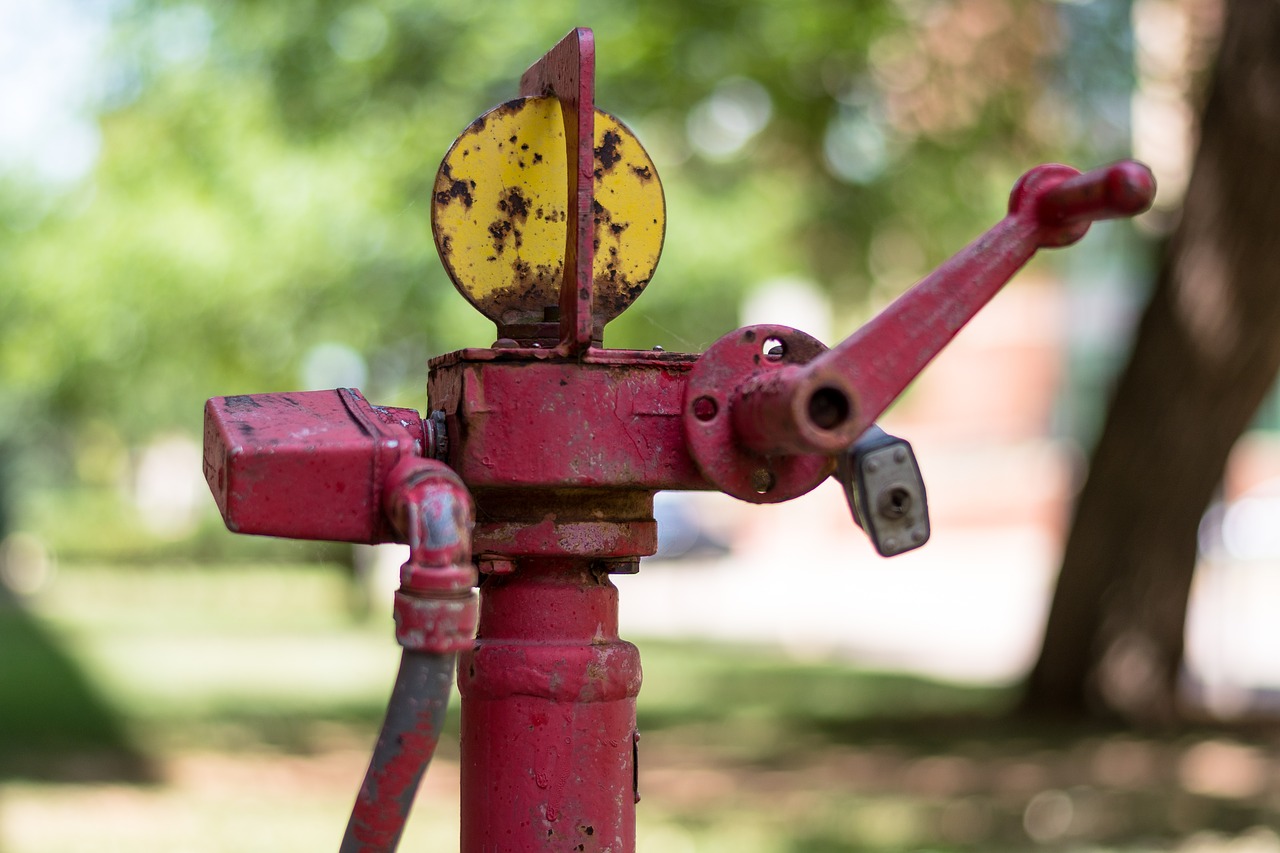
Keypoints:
pixel 1206 353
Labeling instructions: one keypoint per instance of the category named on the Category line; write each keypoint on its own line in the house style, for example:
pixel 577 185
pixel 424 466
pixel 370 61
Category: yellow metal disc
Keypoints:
pixel 500 206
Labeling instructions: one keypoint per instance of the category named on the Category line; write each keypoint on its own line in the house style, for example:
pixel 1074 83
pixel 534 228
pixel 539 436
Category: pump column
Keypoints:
pixel 549 713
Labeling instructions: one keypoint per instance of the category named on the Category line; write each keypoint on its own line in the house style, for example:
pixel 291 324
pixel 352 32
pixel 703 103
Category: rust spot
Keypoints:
pixel 498 230
pixel 644 173
pixel 607 155
pixel 241 402
pixel 537 158
pixel 515 204
pixel 529 287
pixel 508 107
pixel 459 190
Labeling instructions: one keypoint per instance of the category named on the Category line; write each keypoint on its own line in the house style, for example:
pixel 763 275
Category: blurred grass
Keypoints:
pixel 253 693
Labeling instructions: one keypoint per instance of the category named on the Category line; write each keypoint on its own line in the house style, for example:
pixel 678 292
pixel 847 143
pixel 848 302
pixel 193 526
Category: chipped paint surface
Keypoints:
pixel 499 213
pixel 548 715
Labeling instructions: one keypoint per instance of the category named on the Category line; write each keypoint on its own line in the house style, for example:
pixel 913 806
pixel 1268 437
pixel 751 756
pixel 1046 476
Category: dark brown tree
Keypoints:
pixel 1206 352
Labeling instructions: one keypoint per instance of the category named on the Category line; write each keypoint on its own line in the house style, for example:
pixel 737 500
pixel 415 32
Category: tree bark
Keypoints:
pixel 1206 352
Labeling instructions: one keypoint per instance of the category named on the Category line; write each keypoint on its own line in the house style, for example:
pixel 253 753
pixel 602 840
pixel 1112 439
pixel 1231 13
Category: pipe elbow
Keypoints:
pixel 430 508
pixel 431 511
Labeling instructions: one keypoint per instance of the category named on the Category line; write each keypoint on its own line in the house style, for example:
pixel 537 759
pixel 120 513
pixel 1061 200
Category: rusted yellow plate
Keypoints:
pixel 499 213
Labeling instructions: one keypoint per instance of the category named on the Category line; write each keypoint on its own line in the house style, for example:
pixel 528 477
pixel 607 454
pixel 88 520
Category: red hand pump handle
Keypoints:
pixel 766 408
pixel 824 405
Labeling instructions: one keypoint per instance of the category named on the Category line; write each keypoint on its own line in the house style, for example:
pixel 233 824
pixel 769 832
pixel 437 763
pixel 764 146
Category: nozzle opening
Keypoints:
pixel 829 407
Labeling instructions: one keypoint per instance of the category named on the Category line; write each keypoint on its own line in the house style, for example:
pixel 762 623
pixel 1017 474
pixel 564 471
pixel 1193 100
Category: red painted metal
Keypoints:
pixel 568 72
pixel 406 744
pixel 612 420
pixel 431 509
pixel 712 430
pixel 825 405
pixel 435 613
pixel 548 715
pixel 306 465
pixel 560 450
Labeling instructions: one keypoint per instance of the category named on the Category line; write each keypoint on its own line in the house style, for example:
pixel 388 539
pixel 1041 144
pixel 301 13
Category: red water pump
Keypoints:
pixel 533 475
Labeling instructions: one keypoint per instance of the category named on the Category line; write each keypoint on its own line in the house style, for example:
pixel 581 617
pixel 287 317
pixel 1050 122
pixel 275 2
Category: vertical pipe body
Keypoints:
pixel 549 715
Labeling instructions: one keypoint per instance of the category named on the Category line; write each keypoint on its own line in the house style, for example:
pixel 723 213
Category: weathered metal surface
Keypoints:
pixel 1050 206
pixel 613 525
pixel 306 465
pixel 436 611
pixel 500 218
pixel 406 744
pixel 548 715
pixel 433 512
pixel 436 606
pixel 559 424
pixel 711 427
pixel 567 72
